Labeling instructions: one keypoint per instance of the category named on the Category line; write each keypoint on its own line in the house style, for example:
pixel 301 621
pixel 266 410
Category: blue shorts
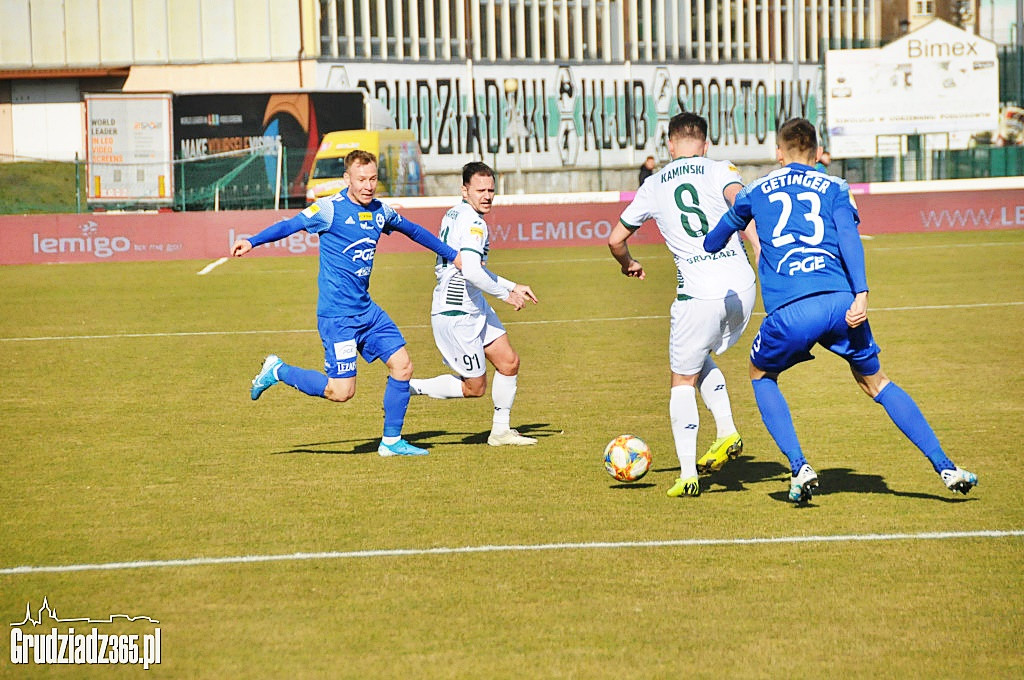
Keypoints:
pixel 787 335
pixel 372 334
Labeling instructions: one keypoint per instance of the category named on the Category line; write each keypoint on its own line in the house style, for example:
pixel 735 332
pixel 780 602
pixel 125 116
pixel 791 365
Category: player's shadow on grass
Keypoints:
pixel 845 480
pixel 425 438
pixel 738 473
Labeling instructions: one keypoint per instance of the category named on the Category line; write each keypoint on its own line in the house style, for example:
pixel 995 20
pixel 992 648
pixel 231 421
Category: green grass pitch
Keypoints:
pixel 128 436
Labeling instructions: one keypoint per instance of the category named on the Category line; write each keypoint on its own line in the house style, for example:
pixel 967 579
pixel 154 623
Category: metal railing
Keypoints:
pixel 611 31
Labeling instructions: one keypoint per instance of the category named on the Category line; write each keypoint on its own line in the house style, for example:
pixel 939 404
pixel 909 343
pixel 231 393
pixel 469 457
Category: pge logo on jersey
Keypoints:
pixel 813 260
pixel 362 254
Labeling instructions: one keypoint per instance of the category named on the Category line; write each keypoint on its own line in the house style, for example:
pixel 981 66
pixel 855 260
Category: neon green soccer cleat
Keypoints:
pixel 685 487
pixel 724 449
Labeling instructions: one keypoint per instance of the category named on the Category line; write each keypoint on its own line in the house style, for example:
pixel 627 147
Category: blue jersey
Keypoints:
pixel 807 226
pixel 348 242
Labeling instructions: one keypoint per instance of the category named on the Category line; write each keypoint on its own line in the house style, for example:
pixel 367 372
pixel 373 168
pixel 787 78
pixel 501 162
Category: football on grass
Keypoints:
pixel 627 458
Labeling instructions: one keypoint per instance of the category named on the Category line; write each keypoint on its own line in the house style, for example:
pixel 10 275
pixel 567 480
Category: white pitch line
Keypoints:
pixel 415 552
pixel 601 319
pixel 210 267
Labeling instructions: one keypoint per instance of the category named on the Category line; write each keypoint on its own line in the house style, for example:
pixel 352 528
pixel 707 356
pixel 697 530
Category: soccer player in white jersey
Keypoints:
pixel 466 329
pixel 714 296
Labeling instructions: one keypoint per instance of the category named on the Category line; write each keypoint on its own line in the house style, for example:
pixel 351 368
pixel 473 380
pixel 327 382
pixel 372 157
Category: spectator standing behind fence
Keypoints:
pixel 647 169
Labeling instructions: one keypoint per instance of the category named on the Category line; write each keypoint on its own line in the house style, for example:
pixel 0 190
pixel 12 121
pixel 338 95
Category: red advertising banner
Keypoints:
pixel 107 237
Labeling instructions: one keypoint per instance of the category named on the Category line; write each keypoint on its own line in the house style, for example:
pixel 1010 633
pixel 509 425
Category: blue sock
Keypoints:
pixel 312 383
pixel 396 403
pixel 776 417
pixel 908 417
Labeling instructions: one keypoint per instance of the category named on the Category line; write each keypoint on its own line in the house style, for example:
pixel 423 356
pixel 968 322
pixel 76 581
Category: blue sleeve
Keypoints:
pixel 851 250
pixel 723 231
pixel 734 220
pixel 279 230
pixel 423 237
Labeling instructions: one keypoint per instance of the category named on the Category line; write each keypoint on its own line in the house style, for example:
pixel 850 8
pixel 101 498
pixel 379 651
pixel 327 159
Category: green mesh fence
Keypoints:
pixel 232 181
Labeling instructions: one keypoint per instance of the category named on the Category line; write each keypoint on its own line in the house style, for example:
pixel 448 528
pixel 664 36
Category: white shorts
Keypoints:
pixel 461 340
pixel 700 327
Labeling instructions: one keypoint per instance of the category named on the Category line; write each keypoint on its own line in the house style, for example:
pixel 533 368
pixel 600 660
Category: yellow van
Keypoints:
pixel 399 166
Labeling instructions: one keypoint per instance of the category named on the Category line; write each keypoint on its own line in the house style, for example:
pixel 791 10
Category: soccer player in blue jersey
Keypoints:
pixel 815 291
pixel 349 224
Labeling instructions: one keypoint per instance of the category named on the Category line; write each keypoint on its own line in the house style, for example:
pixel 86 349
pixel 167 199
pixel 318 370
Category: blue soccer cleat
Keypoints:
pixel 266 377
pixel 400 448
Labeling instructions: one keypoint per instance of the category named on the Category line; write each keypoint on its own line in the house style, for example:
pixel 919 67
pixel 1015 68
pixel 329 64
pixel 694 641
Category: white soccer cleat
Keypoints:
pixel 958 480
pixel 803 484
pixel 510 438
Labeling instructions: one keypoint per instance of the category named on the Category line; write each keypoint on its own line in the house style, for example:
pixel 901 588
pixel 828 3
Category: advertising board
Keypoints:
pixel 129 149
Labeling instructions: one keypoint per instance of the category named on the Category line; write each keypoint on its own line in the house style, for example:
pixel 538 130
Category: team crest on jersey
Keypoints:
pixel 380 220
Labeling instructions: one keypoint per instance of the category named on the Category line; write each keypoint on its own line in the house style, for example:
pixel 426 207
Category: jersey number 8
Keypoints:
pixel 687 209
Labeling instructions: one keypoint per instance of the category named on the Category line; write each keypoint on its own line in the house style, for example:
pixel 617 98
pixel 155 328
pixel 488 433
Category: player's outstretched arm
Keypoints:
pixel 520 295
pixel 425 238
pixel 526 292
pixel 620 251
pixel 240 247
pixel 275 232
pixel 475 273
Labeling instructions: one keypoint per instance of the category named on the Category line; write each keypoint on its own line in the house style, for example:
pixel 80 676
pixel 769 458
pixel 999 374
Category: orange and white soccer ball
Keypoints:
pixel 627 458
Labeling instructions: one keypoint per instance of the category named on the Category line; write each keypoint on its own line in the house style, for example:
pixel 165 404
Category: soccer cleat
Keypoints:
pixel 722 450
pixel 958 480
pixel 266 377
pixel 400 448
pixel 803 484
pixel 685 487
pixel 510 438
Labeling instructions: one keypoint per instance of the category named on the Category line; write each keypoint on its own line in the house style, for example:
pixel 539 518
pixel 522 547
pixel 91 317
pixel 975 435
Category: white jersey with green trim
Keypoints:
pixel 686 200
pixel 463 228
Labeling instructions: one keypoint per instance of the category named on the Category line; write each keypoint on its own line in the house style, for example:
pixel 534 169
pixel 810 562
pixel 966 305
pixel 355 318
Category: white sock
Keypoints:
pixel 716 397
pixel 445 386
pixel 503 393
pixel 388 441
pixel 682 410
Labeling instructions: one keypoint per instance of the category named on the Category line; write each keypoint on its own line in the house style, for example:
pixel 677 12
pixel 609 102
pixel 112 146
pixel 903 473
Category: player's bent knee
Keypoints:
pixel 474 387
pixel 339 393
pixel 508 366
pixel 871 384
pixel 403 372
